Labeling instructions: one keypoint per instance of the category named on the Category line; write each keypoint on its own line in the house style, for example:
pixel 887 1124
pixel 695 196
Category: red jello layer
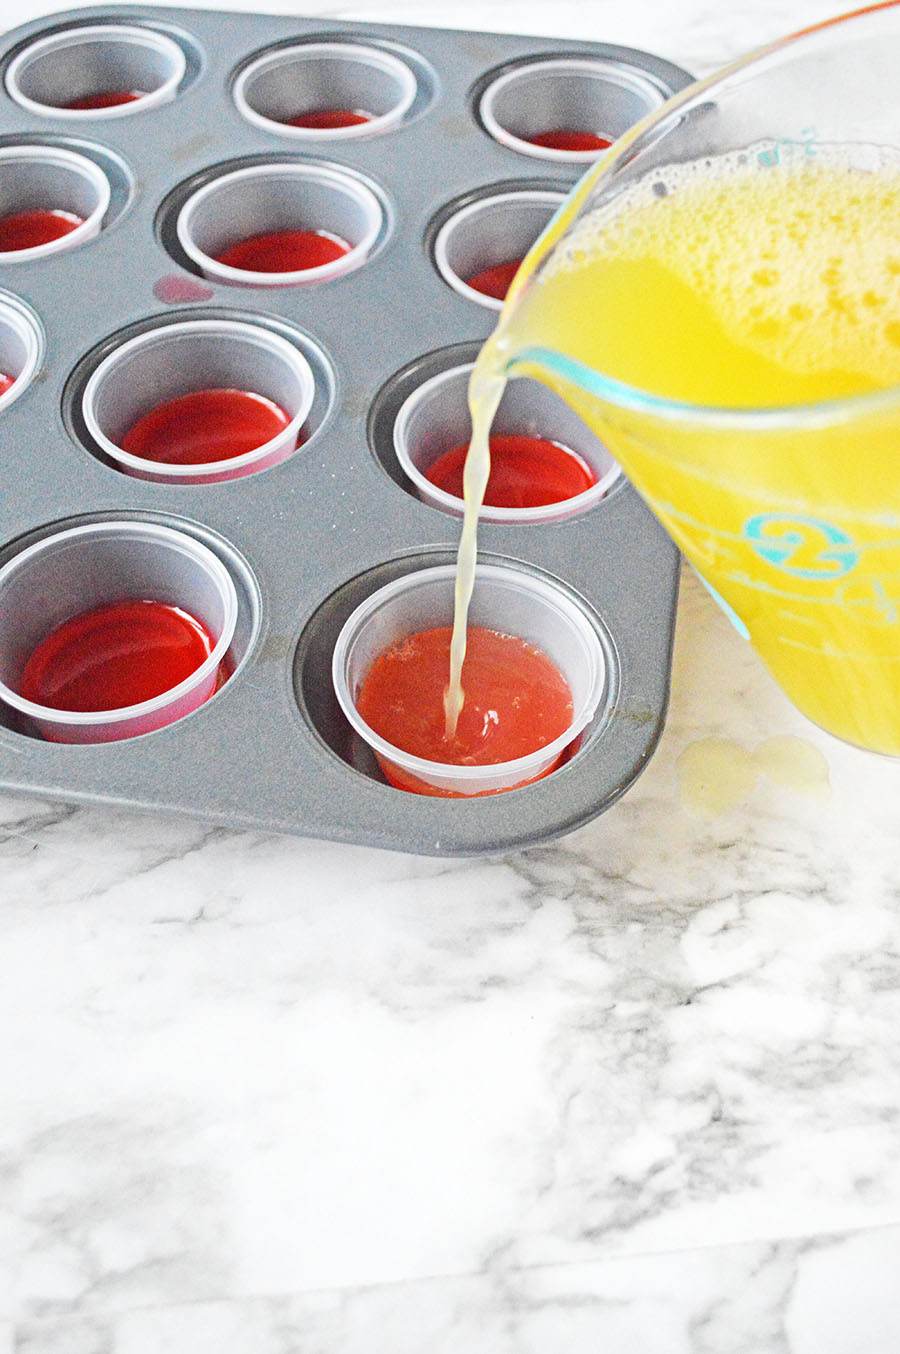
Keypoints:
pixel 566 138
pixel 328 119
pixel 205 426
pixel 496 280
pixel 526 472
pixel 284 251
pixel 27 230
pixel 115 655
pixel 105 98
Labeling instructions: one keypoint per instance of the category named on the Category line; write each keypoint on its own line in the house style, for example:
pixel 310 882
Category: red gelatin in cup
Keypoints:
pixel 496 280
pixel 6 382
pixel 284 251
pixel 566 138
pixel 205 426
pixel 27 230
pixel 115 655
pixel 106 98
pixel 328 119
pixel 516 701
pixel 526 472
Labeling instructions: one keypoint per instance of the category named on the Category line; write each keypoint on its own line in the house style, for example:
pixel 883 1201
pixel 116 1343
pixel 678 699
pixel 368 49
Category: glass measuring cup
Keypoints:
pixel 784 493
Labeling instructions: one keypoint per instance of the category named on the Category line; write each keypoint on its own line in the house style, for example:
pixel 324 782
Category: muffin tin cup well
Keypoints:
pixel 495 229
pixel 74 571
pixel 313 77
pixel 434 418
pixel 91 60
pixel 274 197
pixel 575 94
pixel 21 347
pixel 505 599
pixel 51 179
pixel 172 360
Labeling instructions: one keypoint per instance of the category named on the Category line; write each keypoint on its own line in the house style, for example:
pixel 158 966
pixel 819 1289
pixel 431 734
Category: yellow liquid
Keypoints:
pixel 744 286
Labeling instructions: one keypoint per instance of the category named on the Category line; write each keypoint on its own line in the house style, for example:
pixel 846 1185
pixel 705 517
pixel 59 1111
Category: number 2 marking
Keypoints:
pixel 803 546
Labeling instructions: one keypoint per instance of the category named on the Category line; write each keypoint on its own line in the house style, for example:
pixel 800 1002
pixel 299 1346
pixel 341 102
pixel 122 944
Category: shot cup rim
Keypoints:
pixel 599 67
pixel 114 32
pixel 167 535
pixel 542 196
pixel 338 178
pixel 24 320
pixel 362 54
pixel 519 769
pixel 437 497
pixel 89 227
pixel 234 328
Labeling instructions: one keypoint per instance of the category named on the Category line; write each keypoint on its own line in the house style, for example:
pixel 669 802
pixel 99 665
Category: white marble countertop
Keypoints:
pixel 634 1092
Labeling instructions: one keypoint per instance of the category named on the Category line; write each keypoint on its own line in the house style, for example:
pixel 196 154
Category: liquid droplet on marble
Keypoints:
pixel 716 775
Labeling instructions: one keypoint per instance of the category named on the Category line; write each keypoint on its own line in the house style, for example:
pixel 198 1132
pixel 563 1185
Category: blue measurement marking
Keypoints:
pixel 785 147
pixel 803 546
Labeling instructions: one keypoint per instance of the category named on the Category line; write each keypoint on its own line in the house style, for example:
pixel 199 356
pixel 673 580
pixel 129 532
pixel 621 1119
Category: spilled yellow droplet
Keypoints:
pixel 796 765
pixel 716 775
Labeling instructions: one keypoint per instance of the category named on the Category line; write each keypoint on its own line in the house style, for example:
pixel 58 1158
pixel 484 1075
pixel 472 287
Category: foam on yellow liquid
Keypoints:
pixel 737 283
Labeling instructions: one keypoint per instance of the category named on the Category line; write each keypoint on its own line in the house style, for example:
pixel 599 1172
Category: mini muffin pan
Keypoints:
pixel 308 537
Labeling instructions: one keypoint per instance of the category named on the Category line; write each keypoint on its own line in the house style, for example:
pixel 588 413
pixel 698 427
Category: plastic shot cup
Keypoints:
pixel 434 418
pixel 574 94
pixel 196 355
pixel 270 198
pixel 315 76
pixel 87 63
pixel 85 567
pixel 506 600
pixel 493 230
pixel 47 179
pixel 21 347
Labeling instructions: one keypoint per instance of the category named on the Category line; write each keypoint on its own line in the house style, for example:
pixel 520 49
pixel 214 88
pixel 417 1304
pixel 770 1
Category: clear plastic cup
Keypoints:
pixel 505 599
pixel 49 178
pixel 84 567
pixel 195 355
pixel 581 94
pixel 434 418
pixel 268 198
pixel 75 63
pixel 283 83
pixel 21 346
pixel 490 231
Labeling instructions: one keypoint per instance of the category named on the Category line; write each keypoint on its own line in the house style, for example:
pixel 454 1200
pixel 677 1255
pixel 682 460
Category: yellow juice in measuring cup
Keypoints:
pixel 730 325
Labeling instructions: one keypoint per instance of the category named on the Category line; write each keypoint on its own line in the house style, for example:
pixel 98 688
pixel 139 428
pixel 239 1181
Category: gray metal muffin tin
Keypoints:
pixel 308 539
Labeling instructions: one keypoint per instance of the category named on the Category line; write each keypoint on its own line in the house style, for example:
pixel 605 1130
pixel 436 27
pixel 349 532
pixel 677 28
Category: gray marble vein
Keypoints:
pixel 807 1296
